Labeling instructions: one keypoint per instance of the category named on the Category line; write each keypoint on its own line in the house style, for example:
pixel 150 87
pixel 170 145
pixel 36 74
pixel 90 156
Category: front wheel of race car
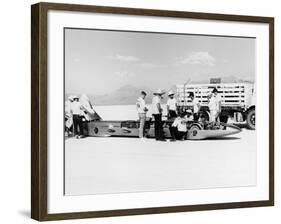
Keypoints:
pixel 193 132
pixel 251 119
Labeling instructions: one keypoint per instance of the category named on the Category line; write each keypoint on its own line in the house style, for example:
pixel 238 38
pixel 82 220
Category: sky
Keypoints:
pixel 101 61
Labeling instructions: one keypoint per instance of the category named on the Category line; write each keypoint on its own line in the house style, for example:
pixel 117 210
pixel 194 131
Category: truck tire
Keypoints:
pixel 251 119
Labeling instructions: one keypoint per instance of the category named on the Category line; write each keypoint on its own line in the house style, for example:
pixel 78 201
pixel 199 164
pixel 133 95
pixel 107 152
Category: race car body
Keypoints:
pixel 130 128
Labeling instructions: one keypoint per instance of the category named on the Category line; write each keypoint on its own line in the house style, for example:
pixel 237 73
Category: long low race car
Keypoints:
pixel 130 128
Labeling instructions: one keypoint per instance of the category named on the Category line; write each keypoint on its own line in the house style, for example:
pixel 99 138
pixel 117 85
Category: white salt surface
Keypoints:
pixel 96 165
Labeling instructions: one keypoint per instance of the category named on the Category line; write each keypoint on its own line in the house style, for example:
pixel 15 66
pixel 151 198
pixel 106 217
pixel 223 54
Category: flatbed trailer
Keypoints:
pixel 236 98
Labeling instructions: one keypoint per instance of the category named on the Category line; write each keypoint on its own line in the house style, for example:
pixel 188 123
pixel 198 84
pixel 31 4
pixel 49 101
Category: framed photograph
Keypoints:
pixel 142 111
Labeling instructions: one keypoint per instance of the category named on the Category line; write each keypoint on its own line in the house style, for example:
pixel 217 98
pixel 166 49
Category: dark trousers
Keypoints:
pixel 173 131
pixel 158 126
pixel 172 114
pixel 196 117
pixel 181 135
pixel 78 123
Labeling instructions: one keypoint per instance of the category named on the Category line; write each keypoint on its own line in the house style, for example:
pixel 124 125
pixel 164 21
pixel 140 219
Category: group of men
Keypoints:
pixel 178 128
pixel 77 112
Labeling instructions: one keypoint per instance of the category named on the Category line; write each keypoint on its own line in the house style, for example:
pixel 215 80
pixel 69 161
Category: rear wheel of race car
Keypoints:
pixel 193 132
pixel 251 119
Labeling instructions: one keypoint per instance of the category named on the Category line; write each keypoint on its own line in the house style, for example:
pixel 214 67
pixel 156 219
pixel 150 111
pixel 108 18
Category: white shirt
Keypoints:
pixel 154 107
pixel 195 103
pixel 214 104
pixel 172 104
pixel 141 105
pixel 76 108
pixel 180 123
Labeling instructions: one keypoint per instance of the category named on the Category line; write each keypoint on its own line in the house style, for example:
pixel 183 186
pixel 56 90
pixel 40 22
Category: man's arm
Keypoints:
pixel 219 104
pixel 198 105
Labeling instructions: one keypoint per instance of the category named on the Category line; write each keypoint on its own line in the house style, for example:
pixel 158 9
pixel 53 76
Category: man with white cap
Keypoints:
pixel 195 106
pixel 76 110
pixel 214 106
pixel 171 105
pixel 172 113
pixel 157 114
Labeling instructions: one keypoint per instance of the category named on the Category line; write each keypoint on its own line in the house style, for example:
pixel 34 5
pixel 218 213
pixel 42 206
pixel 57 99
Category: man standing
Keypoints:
pixel 76 110
pixel 195 106
pixel 214 106
pixel 142 109
pixel 68 116
pixel 172 113
pixel 157 114
pixel 171 105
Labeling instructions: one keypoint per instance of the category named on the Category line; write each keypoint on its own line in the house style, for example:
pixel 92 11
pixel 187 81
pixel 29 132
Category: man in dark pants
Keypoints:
pixel 172 113
pixel 76 110
pixel 195 106
pixel 157 114
pixel 171 105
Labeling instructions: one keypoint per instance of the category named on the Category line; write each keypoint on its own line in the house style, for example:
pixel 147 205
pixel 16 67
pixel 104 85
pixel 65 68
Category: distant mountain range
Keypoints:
pixel 125 95
pixel 128 94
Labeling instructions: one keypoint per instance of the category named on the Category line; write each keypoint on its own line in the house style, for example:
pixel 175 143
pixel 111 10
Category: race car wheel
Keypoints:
pixel 193 132
pixel 251 119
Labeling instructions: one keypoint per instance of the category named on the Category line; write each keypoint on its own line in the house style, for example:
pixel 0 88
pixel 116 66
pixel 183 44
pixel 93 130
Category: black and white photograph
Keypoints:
pixel 151 111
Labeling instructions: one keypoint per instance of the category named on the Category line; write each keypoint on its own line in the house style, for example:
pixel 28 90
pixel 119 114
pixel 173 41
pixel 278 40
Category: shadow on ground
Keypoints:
pixel 223 138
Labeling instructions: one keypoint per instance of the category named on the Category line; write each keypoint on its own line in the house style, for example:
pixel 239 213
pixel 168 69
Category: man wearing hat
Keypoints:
pixel 142 109
pixel 195 105
pixel 68 116
pixel 172 105
pixel 214 106
pixel 157 114
pixel 172 113
pixel 76 110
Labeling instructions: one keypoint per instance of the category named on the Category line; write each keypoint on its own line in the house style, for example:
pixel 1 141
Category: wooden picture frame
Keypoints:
pixel 39 110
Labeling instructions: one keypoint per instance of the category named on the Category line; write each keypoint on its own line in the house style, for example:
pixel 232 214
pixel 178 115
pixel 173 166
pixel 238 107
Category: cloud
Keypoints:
pixel 199 58
pixel 132 59
pixel 126 58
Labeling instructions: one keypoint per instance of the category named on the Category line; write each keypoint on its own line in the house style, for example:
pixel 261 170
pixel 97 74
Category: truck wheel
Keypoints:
pixel 251 119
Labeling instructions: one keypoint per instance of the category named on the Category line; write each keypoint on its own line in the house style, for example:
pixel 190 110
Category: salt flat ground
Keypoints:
pixel 97 165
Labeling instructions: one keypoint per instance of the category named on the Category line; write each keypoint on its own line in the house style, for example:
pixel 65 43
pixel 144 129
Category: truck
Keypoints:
pixel 238 100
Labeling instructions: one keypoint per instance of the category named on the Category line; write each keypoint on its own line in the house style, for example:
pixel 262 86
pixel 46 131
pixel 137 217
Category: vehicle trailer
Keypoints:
pixel 237 99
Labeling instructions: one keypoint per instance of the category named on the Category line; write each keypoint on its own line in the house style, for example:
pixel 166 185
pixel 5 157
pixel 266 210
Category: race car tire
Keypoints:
pixel 193 132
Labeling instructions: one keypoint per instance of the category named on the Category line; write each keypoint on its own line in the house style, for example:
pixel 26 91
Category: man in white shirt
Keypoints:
pixel 171 105
pixel 195 106
pixel 76 110
pixel 142 109
pixel 172 113
pixel 214 106
pixel 68 116
pixel 157 114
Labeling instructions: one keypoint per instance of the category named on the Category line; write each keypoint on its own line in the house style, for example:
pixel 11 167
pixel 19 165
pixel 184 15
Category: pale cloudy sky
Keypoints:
pixel 99 62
